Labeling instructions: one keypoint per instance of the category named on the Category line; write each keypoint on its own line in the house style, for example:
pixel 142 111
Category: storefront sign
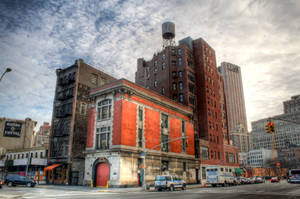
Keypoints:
pixel 12 129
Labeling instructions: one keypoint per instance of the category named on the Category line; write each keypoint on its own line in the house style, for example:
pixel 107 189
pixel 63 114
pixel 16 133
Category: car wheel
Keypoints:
pixel 28 184
pixel 172 188
pixel 184 187
pixel 10 184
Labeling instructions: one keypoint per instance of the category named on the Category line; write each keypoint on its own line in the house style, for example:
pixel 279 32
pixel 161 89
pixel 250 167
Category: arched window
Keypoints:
pixel 104 109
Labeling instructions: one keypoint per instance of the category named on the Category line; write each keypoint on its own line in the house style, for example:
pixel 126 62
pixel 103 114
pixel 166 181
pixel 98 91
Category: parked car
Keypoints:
pixel 1 183
pixel 259 179
pixel 169 182
pixel 274 179
pixel 13 180
pixel 244 180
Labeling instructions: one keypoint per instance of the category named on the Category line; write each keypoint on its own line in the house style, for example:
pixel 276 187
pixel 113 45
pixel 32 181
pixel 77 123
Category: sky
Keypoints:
pixel 37 37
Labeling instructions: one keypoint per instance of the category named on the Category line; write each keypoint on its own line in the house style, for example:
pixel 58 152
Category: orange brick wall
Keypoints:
pixel 152 128
pixel 175 132
pixel 116 139
pixel 189 128
pixel 129 113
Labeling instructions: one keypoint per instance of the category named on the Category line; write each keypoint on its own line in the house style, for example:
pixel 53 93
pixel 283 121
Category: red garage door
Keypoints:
pixel 102 174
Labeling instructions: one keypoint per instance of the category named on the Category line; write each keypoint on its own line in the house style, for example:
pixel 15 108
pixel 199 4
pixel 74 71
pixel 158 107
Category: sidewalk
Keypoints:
pixel 96 189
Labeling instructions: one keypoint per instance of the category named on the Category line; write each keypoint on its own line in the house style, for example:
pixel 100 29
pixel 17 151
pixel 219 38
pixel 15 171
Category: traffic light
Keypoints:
pixel 272 128
pixel 268 128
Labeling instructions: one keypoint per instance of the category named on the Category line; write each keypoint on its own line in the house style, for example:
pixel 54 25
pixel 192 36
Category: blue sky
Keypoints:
pixel 36 37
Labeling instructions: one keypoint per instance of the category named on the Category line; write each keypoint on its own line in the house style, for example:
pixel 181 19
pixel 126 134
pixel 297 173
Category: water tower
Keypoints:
pixel 168 34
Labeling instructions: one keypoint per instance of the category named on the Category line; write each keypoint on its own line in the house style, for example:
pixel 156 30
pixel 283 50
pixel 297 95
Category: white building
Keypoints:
pixel 260 157
pixel 287 132
pixel 32 160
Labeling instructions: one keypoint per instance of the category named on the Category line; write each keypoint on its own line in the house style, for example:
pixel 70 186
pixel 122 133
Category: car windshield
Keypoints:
pixel 160 178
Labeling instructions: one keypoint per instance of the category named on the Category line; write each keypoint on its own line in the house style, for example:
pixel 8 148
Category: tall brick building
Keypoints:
pixel 187 74
pixel 69 121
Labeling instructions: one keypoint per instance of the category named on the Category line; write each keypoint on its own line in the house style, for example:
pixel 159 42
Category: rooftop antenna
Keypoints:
pixel 168 34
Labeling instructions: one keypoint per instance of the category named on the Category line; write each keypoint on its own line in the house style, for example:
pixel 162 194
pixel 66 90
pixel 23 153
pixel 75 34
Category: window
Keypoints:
pixel 82 109
pixel 164 133
pixel 204 153
pixel 179 51
pixel 26 155
pixel 179 61
pixel 18 156
pixel 164 56
pixel 102 137
pixel 41 154
pixel 164 121
pixel 173 51
pixel 140 137
pixel 222 169
pixel 36 154
pixel 227 158
pixel 163 65
pixel 184 166
pixel 203 172
pixel 164 165
pixel 175 97
pixel 180 97
pixel 104 109
pixel 174 86
pixel 180 86
pixel 191 88
pixel 163 90
pixel 140 113
pixel 184 144
pixel 173 62
pixel 174 74
pixel 155 83
pixel 22 155
pixel 180 74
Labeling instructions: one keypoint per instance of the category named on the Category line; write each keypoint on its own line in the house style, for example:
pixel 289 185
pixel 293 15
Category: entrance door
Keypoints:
pixel 102 176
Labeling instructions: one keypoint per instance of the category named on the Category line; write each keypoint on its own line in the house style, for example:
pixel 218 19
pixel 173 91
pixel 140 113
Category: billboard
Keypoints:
pixel 12 129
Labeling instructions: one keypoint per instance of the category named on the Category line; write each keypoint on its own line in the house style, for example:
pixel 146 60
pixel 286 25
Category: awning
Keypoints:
pixel 238 170
pixel 51 167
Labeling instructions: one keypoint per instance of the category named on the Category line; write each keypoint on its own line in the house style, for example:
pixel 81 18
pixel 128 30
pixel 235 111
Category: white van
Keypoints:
pixel 218 175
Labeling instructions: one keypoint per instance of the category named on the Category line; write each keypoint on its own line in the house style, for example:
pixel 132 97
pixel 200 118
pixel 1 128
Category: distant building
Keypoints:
pixel 30 161
pixel 289 157
pixel 260 157
pixel 16 134
pixel 126 118
pixel 243 159
pixel 69 121
pixel 287 132
pixel 41 137
pixel 235 103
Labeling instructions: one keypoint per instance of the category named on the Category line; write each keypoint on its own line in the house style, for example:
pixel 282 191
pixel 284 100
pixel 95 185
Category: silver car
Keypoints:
pixel 168 182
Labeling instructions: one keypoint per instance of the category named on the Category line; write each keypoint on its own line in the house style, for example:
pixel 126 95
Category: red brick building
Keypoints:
pixel 124 120
pixel 187 74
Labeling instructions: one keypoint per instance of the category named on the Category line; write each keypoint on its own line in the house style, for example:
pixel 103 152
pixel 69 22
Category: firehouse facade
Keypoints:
pixel 126 120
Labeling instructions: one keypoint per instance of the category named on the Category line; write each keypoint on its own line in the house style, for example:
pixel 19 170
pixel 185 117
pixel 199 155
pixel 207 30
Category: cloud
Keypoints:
pixel 39 36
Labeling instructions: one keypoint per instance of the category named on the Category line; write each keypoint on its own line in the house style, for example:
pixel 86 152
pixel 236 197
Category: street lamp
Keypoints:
pixel 6 71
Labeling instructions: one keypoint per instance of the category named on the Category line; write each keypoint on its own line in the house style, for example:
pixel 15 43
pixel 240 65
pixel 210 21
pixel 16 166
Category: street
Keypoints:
pixel 268 190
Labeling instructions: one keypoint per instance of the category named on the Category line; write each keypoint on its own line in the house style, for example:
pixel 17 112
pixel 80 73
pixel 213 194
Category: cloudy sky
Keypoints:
pixel 36 37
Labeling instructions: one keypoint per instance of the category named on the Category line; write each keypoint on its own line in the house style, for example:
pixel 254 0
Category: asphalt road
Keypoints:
pixel 266 191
